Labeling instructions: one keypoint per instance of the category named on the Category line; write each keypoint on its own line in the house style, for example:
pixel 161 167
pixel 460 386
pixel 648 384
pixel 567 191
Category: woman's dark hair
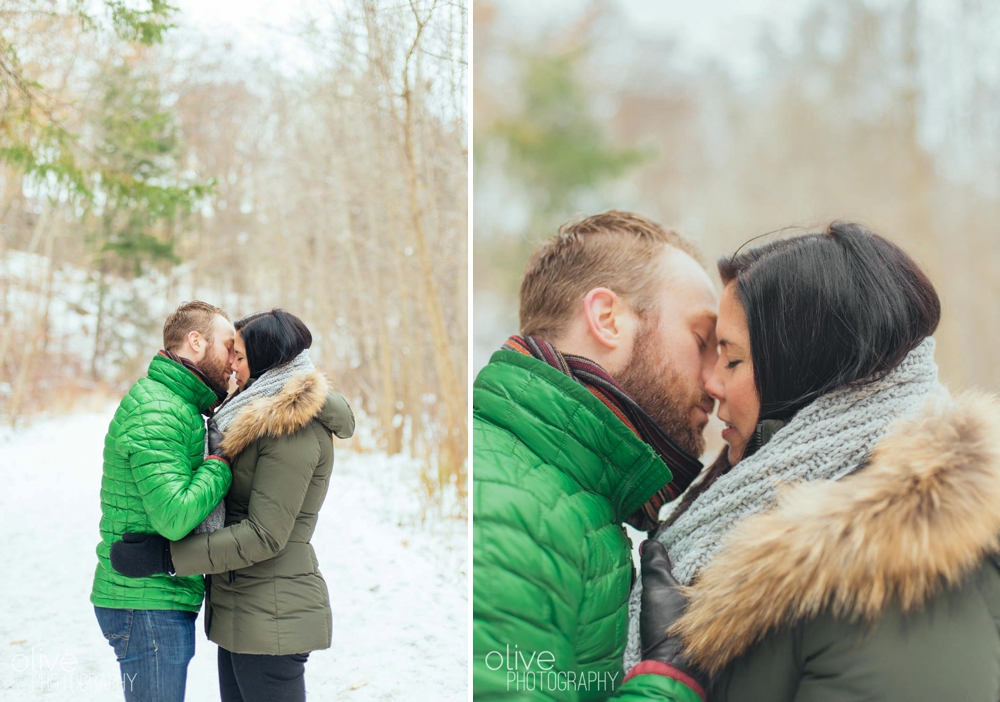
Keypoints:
pixel 841 307
pixel 272 339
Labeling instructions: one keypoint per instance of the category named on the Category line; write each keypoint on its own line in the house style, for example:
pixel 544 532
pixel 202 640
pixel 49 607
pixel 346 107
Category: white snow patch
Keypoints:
pixel 397 584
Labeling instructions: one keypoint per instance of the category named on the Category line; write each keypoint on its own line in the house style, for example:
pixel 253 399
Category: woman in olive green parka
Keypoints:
pixel 883 586
pixel 267 595
pixel 844 546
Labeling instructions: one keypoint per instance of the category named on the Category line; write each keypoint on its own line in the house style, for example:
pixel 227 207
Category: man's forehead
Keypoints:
pixel 687 283
pixel 225 328
pixel 705 314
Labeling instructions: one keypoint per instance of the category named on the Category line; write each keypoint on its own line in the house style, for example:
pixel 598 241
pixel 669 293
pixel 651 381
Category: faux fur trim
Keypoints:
pixel 918 519
pixel 296 405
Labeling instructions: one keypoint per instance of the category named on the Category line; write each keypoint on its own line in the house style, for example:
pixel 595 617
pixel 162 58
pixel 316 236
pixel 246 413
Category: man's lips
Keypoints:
pixel 707 410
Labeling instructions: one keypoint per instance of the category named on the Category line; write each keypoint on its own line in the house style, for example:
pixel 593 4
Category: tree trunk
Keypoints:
pixel 102 291
pixel 34 339
pixel 454 401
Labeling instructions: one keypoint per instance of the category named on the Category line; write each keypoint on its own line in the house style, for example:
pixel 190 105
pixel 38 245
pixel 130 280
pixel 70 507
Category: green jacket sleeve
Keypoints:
pixel 514 605
pixel 655 687
pixel 175 499
pixel 285 467
pixel 525 599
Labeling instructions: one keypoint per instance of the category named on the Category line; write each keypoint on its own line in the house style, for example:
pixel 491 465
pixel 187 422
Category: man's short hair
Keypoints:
pixel 615 250
pixel 191 316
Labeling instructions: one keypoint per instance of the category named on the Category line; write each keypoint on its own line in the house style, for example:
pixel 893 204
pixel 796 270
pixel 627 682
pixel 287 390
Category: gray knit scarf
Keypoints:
pixel 826 440
pixel 268 384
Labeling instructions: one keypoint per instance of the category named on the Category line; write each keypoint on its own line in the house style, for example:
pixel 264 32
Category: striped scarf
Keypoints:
pixel 683 466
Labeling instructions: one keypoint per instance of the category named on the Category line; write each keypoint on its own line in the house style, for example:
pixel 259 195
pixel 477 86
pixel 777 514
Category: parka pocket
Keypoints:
pixel 116 625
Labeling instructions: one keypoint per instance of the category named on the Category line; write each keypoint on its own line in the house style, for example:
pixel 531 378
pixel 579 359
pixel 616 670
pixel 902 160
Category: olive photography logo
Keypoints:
pixel 59 672
pixel 536 670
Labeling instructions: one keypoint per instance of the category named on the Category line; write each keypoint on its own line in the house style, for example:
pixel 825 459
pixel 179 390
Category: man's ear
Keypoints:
pixel 194 341
pixel 605 312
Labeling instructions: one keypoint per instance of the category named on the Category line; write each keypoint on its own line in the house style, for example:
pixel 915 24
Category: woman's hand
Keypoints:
pixel 215 441
pixel 141 555
pixel 663 602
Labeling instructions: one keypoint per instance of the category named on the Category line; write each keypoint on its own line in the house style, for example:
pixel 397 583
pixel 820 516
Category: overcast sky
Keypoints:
pixel 248 21
pixel 253 28
pixel 726 30
pixel 722 28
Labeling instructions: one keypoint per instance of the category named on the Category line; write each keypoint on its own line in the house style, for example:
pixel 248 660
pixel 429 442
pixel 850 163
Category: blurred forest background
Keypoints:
pixel 141 166
pixel 881 111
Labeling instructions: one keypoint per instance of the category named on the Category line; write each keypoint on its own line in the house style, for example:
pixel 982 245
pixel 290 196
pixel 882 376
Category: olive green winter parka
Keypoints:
pixel 266 593
pixel 883 586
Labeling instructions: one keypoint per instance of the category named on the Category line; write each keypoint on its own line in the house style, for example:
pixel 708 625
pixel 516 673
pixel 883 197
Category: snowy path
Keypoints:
pixel 398 587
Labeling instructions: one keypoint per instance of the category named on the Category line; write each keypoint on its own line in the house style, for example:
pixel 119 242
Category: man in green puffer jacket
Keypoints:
pixel 157 480
pixel 592 417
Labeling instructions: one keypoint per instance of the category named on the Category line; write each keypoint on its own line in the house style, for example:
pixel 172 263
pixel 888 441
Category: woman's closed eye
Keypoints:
pixel 734 363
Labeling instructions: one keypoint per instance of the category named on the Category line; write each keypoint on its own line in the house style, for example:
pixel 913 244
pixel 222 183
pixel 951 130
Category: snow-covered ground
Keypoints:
pixel 397 584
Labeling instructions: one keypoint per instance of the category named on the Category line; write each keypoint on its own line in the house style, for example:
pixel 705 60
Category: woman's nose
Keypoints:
pixel 715 388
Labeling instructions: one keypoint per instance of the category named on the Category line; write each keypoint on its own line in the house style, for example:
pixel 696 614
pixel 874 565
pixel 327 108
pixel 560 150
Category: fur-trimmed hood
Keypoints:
pixel 919 518
pixel 304 398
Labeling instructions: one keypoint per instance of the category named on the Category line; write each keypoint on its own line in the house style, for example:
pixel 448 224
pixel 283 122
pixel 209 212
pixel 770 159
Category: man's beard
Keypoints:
pixel 216 370
pixel 662 392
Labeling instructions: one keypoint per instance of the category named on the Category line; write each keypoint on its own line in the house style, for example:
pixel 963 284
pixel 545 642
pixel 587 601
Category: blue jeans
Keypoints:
pixel 154 647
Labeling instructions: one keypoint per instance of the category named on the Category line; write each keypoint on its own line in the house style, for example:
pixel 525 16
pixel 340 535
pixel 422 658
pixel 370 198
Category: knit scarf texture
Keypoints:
pixel 268 384
pixel 683 466
pixel 828 439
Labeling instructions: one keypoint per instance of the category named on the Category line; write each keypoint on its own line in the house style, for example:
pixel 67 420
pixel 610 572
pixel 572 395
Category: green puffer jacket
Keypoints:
pixel 266 593
pixel 555 473
pixel 155 480
pixel 882 586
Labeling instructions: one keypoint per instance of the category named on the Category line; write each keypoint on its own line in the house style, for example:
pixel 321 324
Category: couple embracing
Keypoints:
pixel 844 544
pixel 236 500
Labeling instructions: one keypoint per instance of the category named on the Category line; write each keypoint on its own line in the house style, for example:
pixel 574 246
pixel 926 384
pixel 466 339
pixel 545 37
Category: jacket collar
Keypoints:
pixel 182 382
pixel 919 518
pixel 295 405
pixel 567 427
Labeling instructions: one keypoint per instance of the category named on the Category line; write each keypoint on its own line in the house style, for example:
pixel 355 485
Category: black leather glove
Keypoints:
pixel 215 441
pixel 141 555
pixel 663 603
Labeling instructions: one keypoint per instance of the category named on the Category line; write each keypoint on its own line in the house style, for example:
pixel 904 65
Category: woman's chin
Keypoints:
pixel 735 454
